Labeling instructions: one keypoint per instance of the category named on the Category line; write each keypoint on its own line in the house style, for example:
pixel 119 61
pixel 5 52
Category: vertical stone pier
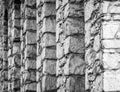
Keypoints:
pixel 70 46
pixel 102 33
pixel 14 42
pixel 46 46
pixel 28 46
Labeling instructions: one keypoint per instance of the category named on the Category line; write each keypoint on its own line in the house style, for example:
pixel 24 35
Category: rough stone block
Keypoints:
pixel 74 26
pixel 38 62
pixel 30 13
pixel 111 44
pixel 16 48
pixel 60 14
pixel 30 64
pixel 59 51
pixel 49 24
pixel 49 67
pixel 111 60
pixel 74 44
pixel 16 23
pixel 30 37
pixel 75 84
pixel 89 8
pixel 111 30
pixel 30 51
pixel 48 40
pixel 109 7
pixel 30 87
pixel 17 60
pixel 30 2
pixel 48 9
pixel 15 33
pixel 74 10
pixel 111 81
pixel 15 14
pixel 39 87
pixel 30 25
pixel 74 65
pixel 30 76
pixel 48 83
pixel 97 44
pixel 48 53
pixel 58 4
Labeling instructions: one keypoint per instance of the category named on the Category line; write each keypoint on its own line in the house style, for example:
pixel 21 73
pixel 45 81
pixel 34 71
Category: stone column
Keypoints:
pixel 102 30
pixel 5 52
pixel 70 46
pixel 14 42
pixel 3 47
pixel 46 46
pixel 28 46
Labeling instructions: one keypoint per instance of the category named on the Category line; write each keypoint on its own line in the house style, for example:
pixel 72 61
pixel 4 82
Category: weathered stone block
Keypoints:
pixel 89 8
pixel 15 14
pixel 30 64
pixel 49 24
pixel 30 51
pixel 49 67
pixel 30 76
pixel 39 86
pixel 109 7
pixel 30 37
pixel 59 51
pixel 97 44
pixel 30 13
pixel 30 2
pixel 74 65
pixel 15 33
pixel 39 49
pixel 58 4
pixel 16 23
pixel 29 25
pixel 48 9
pixel 111 30
pixel 75 84
pixel 16 73
pixel 48 53
pixel 31 87
pixel 59 30
pixel 111 81
pixel 74 10
pixel 111 43
pixel 38 62
pixel 17 60
pixel 48 83
pixel 111 60
pixel 48 40
pixel 74 26
pixel 60 14
pixel 74 44
pixel 16 48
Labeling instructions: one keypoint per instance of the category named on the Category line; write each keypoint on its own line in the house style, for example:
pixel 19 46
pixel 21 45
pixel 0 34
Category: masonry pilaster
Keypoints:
pixel 70 46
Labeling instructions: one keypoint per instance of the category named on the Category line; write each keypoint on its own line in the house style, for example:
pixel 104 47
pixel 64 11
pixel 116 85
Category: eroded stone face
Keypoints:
pixel 111 80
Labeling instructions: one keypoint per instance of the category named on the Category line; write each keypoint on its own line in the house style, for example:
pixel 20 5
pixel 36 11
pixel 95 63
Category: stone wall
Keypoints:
pixel 59 45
